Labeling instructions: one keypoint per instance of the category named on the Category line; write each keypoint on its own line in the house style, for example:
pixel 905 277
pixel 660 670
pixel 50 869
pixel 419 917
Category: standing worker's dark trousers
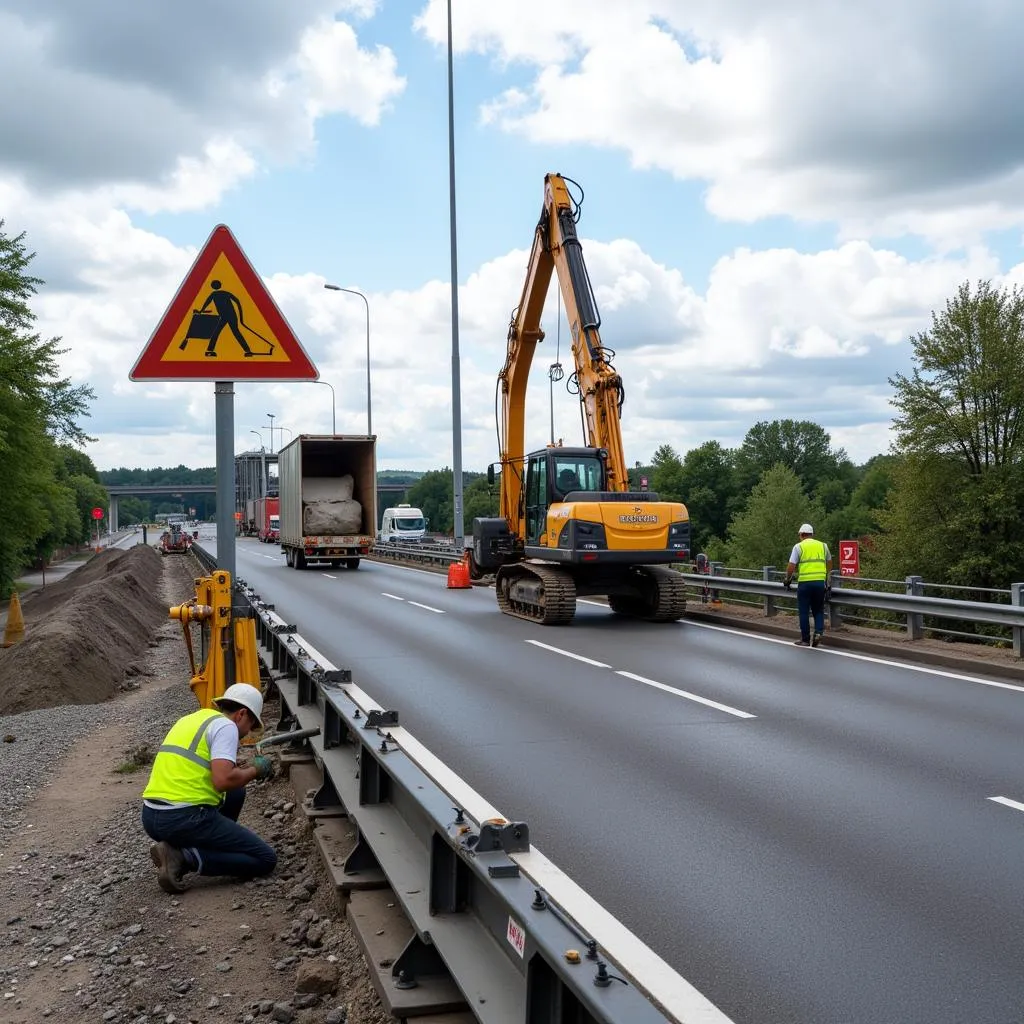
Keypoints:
pixel 810 599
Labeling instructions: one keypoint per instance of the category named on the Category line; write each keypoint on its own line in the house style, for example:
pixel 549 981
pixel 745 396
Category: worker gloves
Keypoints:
pixel 828 592
pixel 788 582
pixel 264 766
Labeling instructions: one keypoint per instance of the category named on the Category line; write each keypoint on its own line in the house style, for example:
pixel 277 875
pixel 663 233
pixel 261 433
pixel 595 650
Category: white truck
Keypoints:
pixel 403 524
pixel 328 499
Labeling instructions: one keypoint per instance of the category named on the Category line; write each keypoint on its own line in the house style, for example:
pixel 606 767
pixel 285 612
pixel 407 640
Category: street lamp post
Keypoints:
pixel 259 435
pixel 270 416
pixel 353 291
pixel 334 425
pixel 290 434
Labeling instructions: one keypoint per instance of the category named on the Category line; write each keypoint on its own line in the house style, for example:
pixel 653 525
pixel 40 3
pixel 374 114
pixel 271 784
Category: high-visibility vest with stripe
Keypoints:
pixel 181 768
pixel 811 566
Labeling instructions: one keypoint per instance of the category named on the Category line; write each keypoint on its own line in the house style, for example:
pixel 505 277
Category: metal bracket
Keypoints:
pixel 337 676
pixel 377 719
pixel 283 627
pixel 510 837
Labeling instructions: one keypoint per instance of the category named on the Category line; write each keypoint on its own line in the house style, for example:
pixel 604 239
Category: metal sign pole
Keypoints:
pixel 224 398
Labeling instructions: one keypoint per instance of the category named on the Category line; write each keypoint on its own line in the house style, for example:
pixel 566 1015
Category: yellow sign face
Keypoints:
pixel 223 325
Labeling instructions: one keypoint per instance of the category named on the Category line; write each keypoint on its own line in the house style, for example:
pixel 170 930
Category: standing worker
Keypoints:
pixel 811 562
pixel 195 793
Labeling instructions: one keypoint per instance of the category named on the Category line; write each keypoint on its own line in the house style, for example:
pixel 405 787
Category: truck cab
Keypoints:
pixel 403 524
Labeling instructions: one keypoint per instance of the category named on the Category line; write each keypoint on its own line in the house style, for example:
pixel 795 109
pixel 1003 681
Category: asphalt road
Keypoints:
pixel 808 836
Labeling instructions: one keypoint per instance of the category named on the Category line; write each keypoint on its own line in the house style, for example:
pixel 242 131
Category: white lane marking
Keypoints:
pixel 568 654
pixel 393 597
pixel 328 575
pixel 685 693
pixel 642 679
pixel 854 655
pixel 426 607
pixel 1007 802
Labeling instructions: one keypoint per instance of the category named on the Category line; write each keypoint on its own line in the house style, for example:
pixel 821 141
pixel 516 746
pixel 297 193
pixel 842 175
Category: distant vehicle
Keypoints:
pixel 328 498
pixel 268 520
pixel 403 524
pixel 174 540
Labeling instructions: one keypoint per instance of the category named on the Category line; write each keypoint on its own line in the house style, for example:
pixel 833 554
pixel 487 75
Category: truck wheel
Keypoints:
pixel 300 560
pixel 351 563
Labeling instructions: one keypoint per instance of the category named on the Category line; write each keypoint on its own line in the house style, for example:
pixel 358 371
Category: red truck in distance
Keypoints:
pixel 268 520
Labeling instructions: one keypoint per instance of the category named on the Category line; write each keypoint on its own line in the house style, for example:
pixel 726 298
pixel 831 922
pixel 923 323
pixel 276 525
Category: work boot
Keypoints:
pixel 170 866
pixel 816 639
pixel 801 643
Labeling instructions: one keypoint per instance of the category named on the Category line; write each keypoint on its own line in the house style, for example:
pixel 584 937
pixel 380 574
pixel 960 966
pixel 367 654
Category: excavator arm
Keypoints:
pixel 556 248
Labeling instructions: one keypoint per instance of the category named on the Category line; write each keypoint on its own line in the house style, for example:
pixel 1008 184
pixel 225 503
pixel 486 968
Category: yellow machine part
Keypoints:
pixel 222 635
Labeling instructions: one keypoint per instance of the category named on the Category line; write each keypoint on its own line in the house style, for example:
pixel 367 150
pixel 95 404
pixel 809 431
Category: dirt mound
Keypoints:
pixel 83 633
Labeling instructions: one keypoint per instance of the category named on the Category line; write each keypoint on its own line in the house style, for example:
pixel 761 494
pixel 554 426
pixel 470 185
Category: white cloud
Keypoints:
pixel 776 334
pixel 816 109
pixel 140 110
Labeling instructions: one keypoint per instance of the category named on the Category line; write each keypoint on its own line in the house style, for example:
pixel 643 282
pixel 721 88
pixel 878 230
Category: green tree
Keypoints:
pixel 708 488
pixel 801 445
pixel 433 493
pixel 954 511
pixel 765 531
pixel 667 474
pixel 480 500
pixel 38 409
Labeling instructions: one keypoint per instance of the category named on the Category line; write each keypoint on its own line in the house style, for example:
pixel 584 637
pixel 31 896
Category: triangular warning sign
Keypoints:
pixel 222 324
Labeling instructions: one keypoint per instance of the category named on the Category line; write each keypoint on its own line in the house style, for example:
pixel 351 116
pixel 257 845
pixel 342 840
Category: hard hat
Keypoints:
pixel 248 696
pixel 807 528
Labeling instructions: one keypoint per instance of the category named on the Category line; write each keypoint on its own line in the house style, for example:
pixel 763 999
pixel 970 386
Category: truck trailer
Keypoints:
pixel 328 499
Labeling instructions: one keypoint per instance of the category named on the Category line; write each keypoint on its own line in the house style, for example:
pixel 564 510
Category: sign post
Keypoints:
pixel 97 515
pixel 849 558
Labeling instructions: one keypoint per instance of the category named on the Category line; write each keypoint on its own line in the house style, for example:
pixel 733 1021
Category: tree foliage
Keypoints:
pixel 39 412
pixel 804 447
pixel 954 511
pixel 765 531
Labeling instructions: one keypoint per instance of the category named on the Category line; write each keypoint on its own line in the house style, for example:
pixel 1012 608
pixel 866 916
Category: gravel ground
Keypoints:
pixel 86 934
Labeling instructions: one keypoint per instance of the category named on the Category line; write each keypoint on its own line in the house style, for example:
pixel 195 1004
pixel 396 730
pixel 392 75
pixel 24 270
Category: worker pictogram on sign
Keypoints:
pixel 849 558
pixel 222 324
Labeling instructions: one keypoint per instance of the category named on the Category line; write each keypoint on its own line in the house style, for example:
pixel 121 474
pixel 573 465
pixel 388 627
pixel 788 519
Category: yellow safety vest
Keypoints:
pixel 181 768
pixel 811 566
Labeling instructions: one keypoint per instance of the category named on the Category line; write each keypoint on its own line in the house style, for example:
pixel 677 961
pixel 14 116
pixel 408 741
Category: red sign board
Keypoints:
pixel 223 325
pixel 849 558
pixel 97 513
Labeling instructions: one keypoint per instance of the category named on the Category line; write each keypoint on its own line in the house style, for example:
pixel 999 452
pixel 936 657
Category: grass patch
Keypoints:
pixel 135 760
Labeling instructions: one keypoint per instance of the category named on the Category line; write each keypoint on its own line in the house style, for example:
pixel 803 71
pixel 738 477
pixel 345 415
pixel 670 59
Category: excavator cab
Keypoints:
pixel 553 475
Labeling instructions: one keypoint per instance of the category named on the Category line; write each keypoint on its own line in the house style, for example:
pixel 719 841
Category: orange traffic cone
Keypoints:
pixel 458 574
pixel 15 629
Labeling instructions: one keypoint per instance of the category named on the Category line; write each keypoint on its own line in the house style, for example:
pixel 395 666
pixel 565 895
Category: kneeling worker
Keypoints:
pixel 196 791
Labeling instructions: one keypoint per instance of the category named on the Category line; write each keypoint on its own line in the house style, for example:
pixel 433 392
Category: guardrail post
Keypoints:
pixel 767 572
pixel 716 570
pixel 835 617
pixel 915 621
pixel 1017 599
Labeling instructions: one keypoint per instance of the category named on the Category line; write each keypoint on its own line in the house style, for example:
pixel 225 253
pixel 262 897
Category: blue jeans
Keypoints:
pixel 810 598
pixel 213 837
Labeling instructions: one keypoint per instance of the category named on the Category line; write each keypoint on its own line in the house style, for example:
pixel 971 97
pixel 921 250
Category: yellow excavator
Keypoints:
pixel 569 524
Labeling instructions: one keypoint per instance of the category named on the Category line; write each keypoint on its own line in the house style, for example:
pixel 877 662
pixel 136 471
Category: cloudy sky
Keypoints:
pixel 776 197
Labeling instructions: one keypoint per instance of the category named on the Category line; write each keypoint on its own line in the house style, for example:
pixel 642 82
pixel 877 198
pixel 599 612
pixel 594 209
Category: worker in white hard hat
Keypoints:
pixel 811 563
pixel 196 789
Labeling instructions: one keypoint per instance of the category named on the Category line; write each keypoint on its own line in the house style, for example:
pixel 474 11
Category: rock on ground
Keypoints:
pixel 86 934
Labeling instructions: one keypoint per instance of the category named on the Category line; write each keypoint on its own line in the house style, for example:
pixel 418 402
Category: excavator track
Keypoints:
pixel 539 593
pixel 663 596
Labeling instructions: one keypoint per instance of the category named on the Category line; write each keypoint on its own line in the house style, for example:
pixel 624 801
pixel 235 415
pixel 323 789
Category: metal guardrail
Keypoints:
pixel 913 606
pixel 490 913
